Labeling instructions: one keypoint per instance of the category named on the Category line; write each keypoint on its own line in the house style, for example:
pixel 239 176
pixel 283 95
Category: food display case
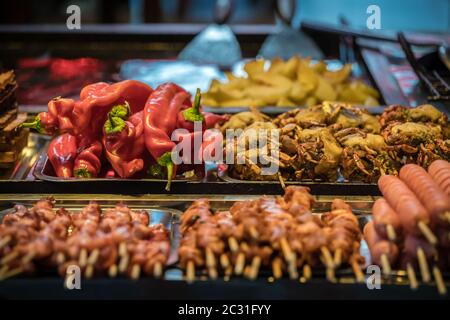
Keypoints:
pixel 90 184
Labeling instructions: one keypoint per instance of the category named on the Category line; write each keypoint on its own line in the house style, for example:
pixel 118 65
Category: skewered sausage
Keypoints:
pixel 384 217
pixel 429 193
pixel 378 246
pixel 410 211
pixel 440 171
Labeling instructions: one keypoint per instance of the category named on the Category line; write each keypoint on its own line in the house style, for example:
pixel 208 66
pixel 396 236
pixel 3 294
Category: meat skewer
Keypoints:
pixel 88 239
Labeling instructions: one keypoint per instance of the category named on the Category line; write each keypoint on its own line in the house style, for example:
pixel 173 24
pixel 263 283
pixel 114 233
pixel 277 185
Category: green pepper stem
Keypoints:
pixel 83 173
pixel 193 114
pixel 197 99
pixel 169 175
pixel 166 161
pixel 121 111
pixel 36 125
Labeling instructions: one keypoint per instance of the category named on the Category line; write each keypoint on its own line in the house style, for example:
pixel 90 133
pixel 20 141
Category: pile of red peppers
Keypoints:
pixel 125 127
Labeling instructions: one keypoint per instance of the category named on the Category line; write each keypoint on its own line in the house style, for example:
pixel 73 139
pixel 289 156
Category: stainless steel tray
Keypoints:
pixel 43 170
pixel 316 186
pixel 167 209
pixel 168 217
pixel 275 111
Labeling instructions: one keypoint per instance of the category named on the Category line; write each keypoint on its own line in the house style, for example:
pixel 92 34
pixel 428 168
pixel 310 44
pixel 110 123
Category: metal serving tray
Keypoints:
pixel 275 111
pixel 167 210
pixel 44 171
pixel 168 217
pixel 47 182
pixel 317 187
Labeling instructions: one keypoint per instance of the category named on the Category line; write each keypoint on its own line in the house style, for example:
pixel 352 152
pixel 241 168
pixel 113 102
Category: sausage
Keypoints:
pixel 383 217
pixel 440 171
pixel 428 191
pixel 404 202
pixel 378 246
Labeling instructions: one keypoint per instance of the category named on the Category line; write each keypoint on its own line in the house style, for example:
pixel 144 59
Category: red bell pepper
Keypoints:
pixel 90 113
pixel 160 119
pixel 57 118
pixel 61 153
pixel 91 89
pixel 88 162
pixel 123 139
pixel 87 115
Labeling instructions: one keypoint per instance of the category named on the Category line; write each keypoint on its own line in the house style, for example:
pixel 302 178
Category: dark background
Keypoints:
pixel 415 15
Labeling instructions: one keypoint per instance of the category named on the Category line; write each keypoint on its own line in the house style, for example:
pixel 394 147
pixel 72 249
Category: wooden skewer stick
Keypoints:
pixel 307 272
pixel 135 271
pixel 10 257
pixel 240 263
pixel 327 257
pixel 330 275
pixel 338 257
pixel 60 258
pixel 211 263
pixel 247 272
pixel 3 270
pixel 253 232
pixel 229 271
pixel 4 241
pixel 190 271
pixel 276 268
pixel 328 261
pixel 210 258
pixel 254 270
pixel 89 271
pixel 385 265
pixel 112 271
pixel 286 249
pixel 280 178
pixel 292 267
pixel 411 276
pixel 82 259
pixel 28 257
pixel 212 273
pixel 224 261
pixel 423 266
pixel 233 244
pixel 439 281
pixel 357 271
pixel 392 236
pixel 11 273
pixel 123 249
pixel 427 233
pixel 157 270
pixel 244 247
pixel 446 216
pixel 93 257
pixel 123 263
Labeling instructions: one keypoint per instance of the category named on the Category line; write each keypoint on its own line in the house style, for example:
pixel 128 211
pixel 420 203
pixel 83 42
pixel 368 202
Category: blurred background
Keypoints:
pixel 153 41
pixel 414 15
